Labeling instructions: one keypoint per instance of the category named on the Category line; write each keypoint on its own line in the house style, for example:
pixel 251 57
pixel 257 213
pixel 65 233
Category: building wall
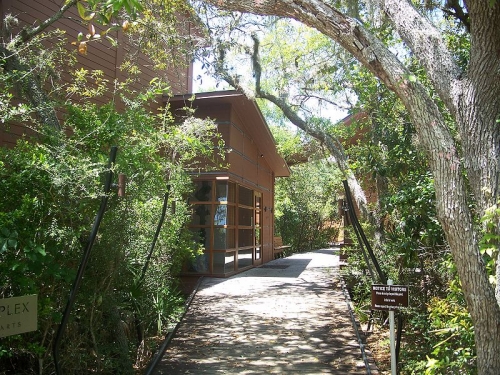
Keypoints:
pixel 100 55
pixel 247 164
pixel 249 169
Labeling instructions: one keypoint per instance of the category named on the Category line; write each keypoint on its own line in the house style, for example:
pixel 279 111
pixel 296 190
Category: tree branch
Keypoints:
pixel 27 84
pixel 333 144
pixel 27 34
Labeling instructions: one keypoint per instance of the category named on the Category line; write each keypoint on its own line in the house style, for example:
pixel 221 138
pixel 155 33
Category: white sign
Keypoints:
pixel 18 315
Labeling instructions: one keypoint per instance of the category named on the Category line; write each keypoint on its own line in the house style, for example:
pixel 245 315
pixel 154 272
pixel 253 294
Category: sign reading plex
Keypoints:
pixel 18 315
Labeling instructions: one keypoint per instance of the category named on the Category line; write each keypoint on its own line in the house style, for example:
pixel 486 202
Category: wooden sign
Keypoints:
pixel 18 315
pixel 389 297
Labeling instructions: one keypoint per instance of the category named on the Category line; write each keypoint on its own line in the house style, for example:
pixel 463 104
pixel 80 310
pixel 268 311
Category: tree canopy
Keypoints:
pixel 446 75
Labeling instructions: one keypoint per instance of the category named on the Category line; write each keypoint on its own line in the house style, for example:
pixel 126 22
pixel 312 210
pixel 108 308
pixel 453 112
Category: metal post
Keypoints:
pixel 84 261
pixel 392 337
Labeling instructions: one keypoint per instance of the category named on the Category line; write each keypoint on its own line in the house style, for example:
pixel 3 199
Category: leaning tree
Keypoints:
pixel 464 158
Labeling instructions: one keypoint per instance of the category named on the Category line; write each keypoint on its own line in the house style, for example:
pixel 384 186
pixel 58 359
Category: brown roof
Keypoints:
pixel 254 122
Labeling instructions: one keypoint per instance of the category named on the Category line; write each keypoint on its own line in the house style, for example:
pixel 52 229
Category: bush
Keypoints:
pixel 52 192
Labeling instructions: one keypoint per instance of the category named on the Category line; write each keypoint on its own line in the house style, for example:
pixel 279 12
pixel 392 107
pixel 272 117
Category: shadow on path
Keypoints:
pixel 287 317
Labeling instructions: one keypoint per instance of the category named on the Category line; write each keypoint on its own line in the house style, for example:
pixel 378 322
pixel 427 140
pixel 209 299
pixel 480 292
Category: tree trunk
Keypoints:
pixel 472 99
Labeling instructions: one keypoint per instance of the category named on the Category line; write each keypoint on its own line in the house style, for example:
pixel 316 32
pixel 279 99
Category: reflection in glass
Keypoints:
pixel 245 237
pixel 224 215
pixel 199 264
pixel 201 236
pixel 245 216
pixel 224 191
pixel 257 236
pixel 201 214
pixel 203 191
pixel 246 196
pixel 223 238
pixel 245 258
pixel 223 262
pixel 257 218
pixel 257 201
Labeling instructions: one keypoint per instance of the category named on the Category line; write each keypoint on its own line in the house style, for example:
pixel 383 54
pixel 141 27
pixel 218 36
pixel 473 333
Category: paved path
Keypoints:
pixel 288 316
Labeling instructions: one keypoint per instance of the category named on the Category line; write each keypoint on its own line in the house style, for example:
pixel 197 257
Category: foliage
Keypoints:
pixel 52 193
pixel 52 182
pixel 451 333
pixel 145 24
pixel 306 206
pixel 490 241
pixel 438 335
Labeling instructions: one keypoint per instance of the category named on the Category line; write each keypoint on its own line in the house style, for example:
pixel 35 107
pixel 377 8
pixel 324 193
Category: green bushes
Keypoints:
pixel 306 206
pixel 51 195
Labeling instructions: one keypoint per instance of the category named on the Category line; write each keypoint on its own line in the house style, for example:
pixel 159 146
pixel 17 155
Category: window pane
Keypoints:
pixel 202 236
pixel 245 217
pixel 224 215
pixel 223 238
pixel 223 262
pixel 201 214
pixel 257 253
pixel 203 191
pixel 257 218
pixel 245 258
pixel 246 196
pixel 245 237
pixel 199 264
pixel 258 200
pixel 257 236
pixel 224 191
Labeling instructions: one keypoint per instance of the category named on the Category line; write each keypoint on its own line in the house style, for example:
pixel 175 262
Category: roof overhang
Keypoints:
pixel 249 112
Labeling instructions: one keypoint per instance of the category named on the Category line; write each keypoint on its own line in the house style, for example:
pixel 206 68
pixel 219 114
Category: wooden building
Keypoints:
pixel 232 208
pixel 233 214
pixel 100 55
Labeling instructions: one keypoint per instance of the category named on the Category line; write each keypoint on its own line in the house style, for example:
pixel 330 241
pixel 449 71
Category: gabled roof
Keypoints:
pixel 254 122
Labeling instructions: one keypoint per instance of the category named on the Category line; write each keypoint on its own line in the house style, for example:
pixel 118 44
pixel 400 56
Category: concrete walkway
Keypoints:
pixel 288 316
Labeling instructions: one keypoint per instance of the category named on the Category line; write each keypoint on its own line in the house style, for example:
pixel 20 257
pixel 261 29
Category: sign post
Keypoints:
pixel 389 298
pixel 392 340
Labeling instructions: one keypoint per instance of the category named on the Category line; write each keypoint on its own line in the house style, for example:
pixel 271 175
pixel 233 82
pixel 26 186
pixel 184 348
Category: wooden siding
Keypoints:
pixel 100 55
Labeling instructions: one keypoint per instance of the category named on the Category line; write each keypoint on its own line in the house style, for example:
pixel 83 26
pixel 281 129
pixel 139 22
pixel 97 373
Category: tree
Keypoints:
pixel 50 189
pixel 27 73
pixel 463 158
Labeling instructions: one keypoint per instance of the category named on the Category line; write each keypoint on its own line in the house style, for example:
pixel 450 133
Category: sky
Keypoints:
pixel 208 84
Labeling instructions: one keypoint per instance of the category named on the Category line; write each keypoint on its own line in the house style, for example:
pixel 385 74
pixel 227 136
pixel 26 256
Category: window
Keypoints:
pixel 226 220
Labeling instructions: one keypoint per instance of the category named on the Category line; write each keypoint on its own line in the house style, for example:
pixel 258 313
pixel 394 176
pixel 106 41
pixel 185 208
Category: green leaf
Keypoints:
pixel 113 42
pixel 81 9
pixel 82 12
pixel 40 250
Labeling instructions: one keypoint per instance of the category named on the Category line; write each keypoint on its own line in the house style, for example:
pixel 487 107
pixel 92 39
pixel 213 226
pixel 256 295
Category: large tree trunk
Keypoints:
pixel 472 99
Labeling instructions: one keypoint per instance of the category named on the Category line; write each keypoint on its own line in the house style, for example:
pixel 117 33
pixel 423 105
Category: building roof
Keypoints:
pixel 254 122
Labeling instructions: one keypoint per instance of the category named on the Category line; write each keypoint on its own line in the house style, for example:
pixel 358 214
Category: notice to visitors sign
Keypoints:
pixel 18 315
pixel 389 297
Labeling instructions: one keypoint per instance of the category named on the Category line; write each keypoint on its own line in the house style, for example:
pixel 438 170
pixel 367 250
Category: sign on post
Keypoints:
pixel 18 315
pixel 389 297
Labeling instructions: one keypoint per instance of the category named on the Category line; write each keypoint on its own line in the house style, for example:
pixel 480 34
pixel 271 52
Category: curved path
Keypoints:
pixel 288 316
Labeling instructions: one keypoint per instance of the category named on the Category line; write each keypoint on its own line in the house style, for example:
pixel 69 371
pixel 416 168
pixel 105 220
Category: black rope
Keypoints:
pixel 157 233
pixel 84 261
pixel 357 225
